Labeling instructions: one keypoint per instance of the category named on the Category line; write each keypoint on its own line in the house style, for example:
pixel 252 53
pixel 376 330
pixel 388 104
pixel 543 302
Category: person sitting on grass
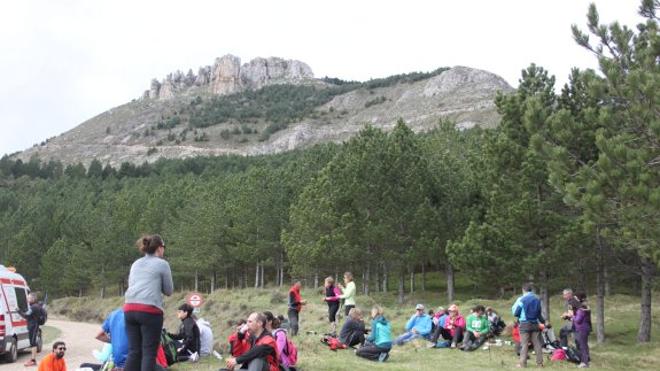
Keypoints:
pixel 454 326
pixel 238 346
pixel 478 329
pixel 280 335
pixel 495 321
pixel 188 339
pixel 418 326
pixel 352 333
pixel 263 353
pixel 439 317
pixel 379 343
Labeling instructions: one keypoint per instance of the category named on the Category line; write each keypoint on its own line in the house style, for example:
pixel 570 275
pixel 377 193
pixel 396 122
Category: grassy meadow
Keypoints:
pixel 619 352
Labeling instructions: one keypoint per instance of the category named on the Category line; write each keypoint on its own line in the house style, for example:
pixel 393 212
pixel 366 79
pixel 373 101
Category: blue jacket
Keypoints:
pixel 381 333
pixel 422 324
pixel 527 308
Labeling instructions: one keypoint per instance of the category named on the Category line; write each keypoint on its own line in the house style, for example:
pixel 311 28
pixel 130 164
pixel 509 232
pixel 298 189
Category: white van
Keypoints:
pixel 14 335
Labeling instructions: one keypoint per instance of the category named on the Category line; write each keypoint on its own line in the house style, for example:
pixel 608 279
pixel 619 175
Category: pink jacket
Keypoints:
pixel 336 293
pixel 457 321
pixel 280 339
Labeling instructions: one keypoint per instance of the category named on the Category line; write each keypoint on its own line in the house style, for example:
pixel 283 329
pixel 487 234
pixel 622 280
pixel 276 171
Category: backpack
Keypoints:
pixel 572 354
pixel 42 315
pixel 169 347
pixel 290 351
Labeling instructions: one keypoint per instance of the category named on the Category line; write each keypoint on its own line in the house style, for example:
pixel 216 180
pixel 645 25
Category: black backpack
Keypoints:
pixel 42 315
pixel 572 354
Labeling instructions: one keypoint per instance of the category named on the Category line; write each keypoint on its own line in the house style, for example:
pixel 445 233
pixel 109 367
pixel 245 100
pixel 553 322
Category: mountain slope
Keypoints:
pixel 259 109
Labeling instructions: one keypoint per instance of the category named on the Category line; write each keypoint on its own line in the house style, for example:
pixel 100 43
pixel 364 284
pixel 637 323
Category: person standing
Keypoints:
pixel 582 328
pixel 348 293
pixel 332 299
pixel 572 305
pixel 149 279
pixel 33 316
pixel 295 306
pixel 527 309
pixel 55 360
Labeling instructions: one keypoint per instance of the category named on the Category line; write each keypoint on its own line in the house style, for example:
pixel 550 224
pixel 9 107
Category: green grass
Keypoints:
pixel 49 333
pixel 620 350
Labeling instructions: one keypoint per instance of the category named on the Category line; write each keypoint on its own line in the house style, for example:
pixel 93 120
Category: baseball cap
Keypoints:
pixel 419 306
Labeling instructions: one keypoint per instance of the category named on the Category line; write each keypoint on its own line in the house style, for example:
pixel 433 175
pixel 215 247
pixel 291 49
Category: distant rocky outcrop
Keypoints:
pixel 228 76
pixel 159 125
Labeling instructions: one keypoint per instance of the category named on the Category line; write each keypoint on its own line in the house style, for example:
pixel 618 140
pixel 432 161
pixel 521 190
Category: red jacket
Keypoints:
pixel 295 299
pixel 237 346
pixel 262 347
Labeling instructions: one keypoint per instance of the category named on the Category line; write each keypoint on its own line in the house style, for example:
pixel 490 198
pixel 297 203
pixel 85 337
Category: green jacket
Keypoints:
pixel 348 294
pixel 477 323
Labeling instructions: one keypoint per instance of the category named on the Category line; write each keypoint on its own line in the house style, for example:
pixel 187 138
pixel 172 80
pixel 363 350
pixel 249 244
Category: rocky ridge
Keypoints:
pixel 228 76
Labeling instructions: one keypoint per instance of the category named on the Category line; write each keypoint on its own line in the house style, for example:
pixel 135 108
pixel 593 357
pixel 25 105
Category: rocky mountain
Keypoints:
pixel 269 105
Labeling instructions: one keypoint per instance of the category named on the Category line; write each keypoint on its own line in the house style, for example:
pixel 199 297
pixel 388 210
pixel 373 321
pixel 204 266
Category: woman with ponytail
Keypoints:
pixel 150 278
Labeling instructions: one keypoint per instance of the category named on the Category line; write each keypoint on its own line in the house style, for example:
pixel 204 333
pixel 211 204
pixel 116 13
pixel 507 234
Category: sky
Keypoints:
pixel 66 61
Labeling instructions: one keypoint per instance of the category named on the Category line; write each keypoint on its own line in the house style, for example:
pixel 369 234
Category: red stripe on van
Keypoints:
pixel 19 323
pixel 5 280
pixel 18 282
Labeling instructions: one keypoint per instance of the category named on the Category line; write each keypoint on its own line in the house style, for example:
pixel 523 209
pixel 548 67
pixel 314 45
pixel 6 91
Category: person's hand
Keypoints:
pixel 340 285
pixel 303 302
pixel 414 331
pixel 231 363
pixel 450 326
pixel 476 335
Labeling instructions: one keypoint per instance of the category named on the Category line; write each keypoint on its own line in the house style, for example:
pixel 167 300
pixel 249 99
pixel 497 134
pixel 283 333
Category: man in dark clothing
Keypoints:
pixel 33 317
pixel 295 305
pixel 572 305
pixel 263 355
pixel 352 333
pixel 188 336
pixel 527 309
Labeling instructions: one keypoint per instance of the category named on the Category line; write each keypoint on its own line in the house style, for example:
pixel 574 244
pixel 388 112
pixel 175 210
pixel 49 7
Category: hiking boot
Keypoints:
pixel 453 345
pixel 430 345
pixel 383 356
pixel 30 363
pixel 583 365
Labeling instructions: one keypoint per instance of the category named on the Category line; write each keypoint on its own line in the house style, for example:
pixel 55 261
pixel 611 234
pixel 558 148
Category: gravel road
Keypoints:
pixel 80 341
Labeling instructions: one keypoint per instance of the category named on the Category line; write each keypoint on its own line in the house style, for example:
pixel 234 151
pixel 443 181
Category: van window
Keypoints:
pixel 21 299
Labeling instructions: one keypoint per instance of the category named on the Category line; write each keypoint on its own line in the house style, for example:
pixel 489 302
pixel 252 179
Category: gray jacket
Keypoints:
pixel 149 279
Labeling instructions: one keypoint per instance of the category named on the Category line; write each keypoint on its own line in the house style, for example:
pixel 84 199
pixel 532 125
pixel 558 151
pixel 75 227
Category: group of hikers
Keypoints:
pixel 263 341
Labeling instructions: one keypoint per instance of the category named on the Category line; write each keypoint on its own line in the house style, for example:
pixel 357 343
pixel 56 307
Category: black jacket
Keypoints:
pixel 189 335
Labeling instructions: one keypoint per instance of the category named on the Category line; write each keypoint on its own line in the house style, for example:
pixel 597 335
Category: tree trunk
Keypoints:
pixel 366 279
pixel 401 286
pixel 262 276
pixel 545 298
pixel 450 283
pixel 196 281
pixel 256 277
pixel 378 278
pixel 363 280
pixel 385 277
pixel 600 288
pixel 412 280
pixel 213 278
pixel 606 277
pixel 316 279
pixel 645 318
pixel 423 277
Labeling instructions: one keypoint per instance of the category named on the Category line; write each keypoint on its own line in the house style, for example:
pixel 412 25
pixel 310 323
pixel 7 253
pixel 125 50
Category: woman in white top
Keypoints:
pixel 348 292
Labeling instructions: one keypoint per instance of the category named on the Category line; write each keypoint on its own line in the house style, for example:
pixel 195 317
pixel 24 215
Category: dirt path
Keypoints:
pixel 79 339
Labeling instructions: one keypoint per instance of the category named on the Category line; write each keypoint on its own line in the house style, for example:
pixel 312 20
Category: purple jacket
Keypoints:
pixel 582 320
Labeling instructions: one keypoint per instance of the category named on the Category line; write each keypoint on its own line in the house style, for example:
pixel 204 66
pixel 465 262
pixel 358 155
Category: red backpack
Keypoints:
pixel 290 353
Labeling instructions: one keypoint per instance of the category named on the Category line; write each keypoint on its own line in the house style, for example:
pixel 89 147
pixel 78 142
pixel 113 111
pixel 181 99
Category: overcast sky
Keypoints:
pixel 65 61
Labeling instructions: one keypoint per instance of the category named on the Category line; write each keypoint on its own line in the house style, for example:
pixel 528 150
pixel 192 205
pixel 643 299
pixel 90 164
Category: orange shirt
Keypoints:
pixel 52 363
